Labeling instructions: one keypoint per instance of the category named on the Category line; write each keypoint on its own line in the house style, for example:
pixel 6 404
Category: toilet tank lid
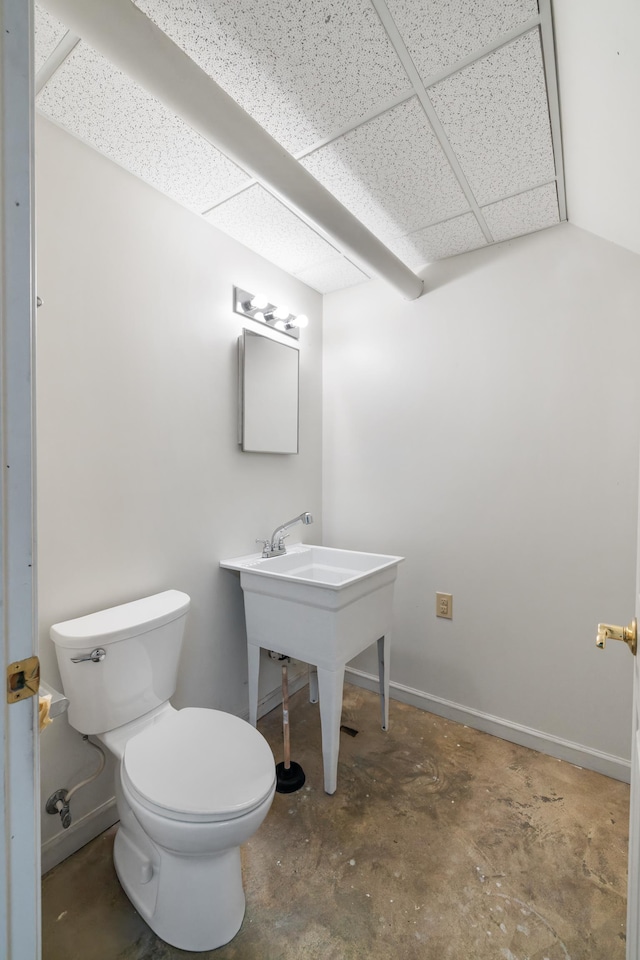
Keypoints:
pixel 118 623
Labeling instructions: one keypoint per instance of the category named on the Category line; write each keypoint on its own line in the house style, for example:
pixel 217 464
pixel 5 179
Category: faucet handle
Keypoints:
pixel 266 544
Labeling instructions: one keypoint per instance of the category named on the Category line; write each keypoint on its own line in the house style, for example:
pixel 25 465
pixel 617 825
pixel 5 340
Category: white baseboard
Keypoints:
pixel 576 753
pixel 66 842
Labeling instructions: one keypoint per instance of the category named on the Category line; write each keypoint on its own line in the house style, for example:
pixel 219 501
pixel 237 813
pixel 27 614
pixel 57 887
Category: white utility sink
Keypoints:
pixel 323 566
pixel 322 606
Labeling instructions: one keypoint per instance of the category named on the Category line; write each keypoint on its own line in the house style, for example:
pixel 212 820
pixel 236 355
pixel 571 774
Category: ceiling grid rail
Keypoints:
pixel 55 60
pixel 549 61
pixel 301 154
pixel 456 216
pixel 520 192
pixel 406 59
pixel 502 41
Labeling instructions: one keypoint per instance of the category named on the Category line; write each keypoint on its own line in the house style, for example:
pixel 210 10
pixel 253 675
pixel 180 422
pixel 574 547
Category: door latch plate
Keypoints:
pixel 23 679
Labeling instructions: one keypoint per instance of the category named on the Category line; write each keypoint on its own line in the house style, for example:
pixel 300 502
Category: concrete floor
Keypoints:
pixel 440 842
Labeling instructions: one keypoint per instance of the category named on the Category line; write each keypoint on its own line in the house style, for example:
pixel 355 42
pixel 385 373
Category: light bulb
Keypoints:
pixel 280 325
pixel 258 302
pixel 302 321
pixel 281 313
pixel 259 316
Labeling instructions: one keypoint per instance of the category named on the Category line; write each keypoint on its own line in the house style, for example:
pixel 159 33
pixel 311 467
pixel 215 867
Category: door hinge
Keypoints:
pixel 23 679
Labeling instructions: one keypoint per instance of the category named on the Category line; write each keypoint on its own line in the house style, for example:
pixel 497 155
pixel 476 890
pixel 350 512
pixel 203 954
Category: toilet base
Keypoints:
pixel 183 877
pixel 193 903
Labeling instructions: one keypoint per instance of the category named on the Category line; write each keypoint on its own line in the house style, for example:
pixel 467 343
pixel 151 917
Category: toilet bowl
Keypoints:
pixel 192 785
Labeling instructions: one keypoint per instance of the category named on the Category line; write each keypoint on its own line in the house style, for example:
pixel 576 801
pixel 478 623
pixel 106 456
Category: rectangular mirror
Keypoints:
pixel 269 379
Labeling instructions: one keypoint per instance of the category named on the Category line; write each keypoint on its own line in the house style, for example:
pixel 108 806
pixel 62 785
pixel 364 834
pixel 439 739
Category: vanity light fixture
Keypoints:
pixel 258 307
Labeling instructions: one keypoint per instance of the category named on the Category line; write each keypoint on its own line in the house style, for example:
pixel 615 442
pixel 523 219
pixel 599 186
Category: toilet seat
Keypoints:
pixel 199 765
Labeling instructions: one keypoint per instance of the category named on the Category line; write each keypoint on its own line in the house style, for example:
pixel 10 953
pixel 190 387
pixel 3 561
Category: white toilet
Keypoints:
pixel 192 784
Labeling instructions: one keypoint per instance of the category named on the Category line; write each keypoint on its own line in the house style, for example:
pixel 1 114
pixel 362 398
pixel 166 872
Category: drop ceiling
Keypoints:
pixel 434 122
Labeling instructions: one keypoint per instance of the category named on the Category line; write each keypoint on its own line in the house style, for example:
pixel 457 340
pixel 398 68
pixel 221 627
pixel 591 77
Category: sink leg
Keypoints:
pixel 253 658
pixel 384 647
pixel 330 684
pixel 313 684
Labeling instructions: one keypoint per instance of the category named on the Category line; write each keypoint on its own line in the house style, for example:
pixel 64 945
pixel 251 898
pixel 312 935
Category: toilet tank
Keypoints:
pixel 141 642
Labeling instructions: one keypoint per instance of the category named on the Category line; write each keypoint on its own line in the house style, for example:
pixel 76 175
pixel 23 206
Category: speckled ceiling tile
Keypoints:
pixel 263 224
pixel 524 213
pixel 495 115
pixel 95 101
pixel 334 274
pixel 442 240
pixel 390 172
pixel 302 69
pixel 439 33
pixel 48 32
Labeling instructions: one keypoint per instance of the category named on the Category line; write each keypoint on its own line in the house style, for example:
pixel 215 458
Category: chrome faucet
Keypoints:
pixel 275 546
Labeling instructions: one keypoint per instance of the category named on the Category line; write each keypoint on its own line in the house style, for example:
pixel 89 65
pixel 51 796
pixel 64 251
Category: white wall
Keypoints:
pixel 141 484
pixel 598 54
pixel 489 433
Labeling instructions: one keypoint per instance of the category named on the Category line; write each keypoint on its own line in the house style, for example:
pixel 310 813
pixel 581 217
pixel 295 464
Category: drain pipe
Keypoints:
pixel 58 802
pixel 122 33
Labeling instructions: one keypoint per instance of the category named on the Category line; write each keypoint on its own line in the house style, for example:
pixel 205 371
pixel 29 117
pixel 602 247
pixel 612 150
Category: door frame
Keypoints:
pixel 20 924
pixel 633 877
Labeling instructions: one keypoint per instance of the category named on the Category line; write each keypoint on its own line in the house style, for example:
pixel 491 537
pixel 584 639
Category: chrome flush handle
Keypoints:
pixel 97 656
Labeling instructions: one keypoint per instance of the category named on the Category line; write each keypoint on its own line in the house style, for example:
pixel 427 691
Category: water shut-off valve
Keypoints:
pixel 58 803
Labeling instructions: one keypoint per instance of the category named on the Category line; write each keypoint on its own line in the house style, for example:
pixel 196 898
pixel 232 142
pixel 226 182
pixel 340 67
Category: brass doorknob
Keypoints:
pixel 629 635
